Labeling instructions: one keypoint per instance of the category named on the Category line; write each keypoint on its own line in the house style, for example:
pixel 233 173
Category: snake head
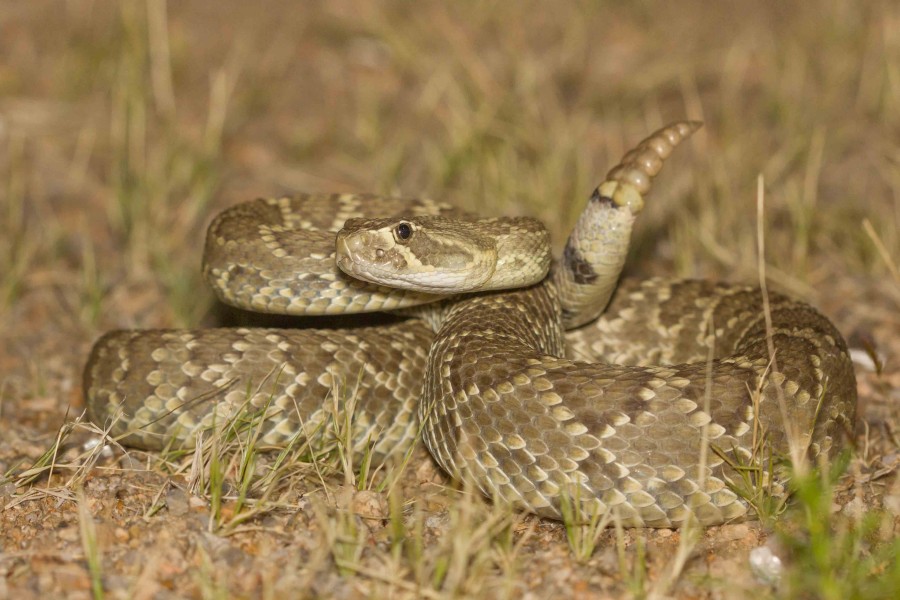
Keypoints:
pixel 424 254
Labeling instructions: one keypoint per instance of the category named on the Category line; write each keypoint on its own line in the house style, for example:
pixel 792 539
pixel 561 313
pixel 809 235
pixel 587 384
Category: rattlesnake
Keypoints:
pixel 683 365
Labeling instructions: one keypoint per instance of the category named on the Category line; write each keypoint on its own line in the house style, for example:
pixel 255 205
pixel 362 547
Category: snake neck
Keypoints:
pixel 592 261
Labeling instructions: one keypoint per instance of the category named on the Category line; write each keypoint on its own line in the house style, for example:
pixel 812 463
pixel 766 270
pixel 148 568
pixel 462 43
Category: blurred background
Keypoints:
pixel 124 127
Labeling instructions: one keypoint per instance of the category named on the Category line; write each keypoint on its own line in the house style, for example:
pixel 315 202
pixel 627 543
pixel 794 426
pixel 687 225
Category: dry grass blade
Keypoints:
pixel 796 448
pixel 882 250
pixel 76 470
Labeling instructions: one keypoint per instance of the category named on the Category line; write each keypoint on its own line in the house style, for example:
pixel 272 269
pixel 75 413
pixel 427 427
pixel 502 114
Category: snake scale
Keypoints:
pixel 508 400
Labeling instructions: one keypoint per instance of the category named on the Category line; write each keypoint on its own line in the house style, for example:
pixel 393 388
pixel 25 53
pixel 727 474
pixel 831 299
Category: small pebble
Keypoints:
pixel 855 509
pixel 765 565
pixel 864 359
pixel 177 501
pixel 426 472
pixel 121 534
pixel 370 505
pixel 7 491
pixel 438 523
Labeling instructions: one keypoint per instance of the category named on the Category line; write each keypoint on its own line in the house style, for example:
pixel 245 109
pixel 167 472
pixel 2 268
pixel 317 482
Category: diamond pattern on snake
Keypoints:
pixel 498 334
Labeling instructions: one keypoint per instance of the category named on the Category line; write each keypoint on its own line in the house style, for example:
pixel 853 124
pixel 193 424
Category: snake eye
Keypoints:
pixel 403 231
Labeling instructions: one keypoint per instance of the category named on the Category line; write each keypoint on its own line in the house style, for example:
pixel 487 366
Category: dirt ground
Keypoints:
pixel 125 126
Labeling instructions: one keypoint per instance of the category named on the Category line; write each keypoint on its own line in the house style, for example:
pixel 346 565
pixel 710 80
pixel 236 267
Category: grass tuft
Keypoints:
pixel 834 556
pixel 585 520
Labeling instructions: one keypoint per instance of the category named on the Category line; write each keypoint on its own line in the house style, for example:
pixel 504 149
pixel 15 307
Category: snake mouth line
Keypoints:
pixel 345 263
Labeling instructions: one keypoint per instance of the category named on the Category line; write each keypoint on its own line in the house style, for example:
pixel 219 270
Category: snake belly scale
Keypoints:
pixel 508 400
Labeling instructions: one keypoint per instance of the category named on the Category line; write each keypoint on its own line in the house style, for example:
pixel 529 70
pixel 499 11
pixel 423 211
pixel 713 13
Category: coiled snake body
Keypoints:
pixel 680 367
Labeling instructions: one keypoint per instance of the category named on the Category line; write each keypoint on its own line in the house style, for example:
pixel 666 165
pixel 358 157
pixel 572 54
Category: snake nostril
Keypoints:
pixel 379 253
